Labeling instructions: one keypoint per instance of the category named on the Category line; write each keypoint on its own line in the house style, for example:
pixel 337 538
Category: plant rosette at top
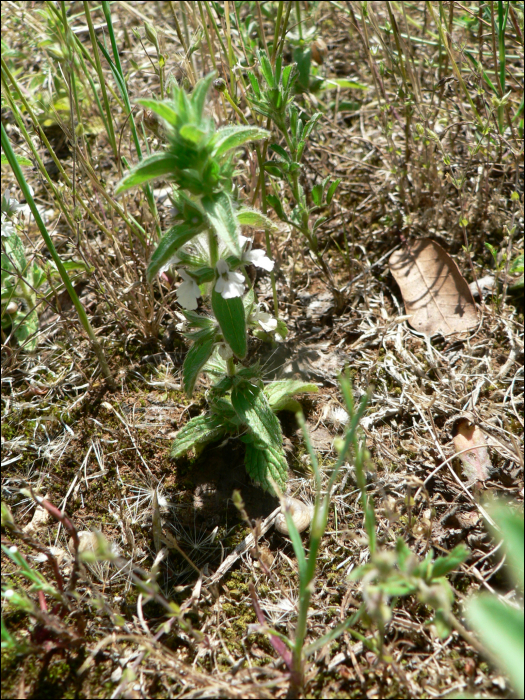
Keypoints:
pixel 209 252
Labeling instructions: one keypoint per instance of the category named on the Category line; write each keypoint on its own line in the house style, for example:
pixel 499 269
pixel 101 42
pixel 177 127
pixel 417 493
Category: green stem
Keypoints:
pixel 213 247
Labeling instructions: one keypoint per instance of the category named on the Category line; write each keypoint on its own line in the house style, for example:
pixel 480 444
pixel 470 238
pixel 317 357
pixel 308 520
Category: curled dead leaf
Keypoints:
pixel 470 444
pixel 435 293
pixel 39 520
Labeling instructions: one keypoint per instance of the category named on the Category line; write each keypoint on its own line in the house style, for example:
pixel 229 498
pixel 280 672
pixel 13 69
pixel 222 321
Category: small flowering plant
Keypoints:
pixel 209 253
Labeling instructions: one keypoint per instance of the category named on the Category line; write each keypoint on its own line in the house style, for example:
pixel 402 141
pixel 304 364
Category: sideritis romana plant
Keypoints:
pixel 206 247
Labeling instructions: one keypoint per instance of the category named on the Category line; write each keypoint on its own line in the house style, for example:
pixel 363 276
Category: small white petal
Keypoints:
pixel 220 284
pixel 188 292
pixel 233 287
pixel 222 267
pixel 259 259
pixel 267 322
pixel 229 284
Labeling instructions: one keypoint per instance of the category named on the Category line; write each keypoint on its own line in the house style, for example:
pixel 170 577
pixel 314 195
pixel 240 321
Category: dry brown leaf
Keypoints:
pixel 475 461
pixel 435 293
pixel 39 520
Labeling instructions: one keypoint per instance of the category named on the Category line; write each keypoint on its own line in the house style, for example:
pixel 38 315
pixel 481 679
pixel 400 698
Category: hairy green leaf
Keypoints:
pixel 262 463
pixel 168 245
pixel 163 109
pixel 152 167
pixel 21 160
pixel 230 315
pixel 196 358
pixel 192 132
pixel 221 217
pixel 234 136
pixel 253 409
pixel 252 217
pixel 278 393
pixel 14 257
pixel 266 68
pixel 317 195
pixel 197 432
pixel 198 320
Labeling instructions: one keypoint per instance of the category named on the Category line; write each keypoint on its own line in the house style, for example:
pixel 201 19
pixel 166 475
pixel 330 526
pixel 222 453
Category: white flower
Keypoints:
pixel 229 284
pixel 255 257
pixel 9 204
pixel 7 227
pixel 188 292
pixel 267 323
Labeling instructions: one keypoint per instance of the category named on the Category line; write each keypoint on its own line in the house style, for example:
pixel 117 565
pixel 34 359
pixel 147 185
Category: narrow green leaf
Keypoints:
pixel 303 57
pixel 253 409
pixel 255 84
pixel 266 68
pixel 203 275
pixel 317 195
pixel 281 151
pixel 198 320
pixel 14 257
pixel 331 190
pixel 21 160
pixel 234 136
pixel 443 565
pixel 196 358
pixel 276 204
pixel 310 124
pixel 152 167
pixel 198 96
pixel 222 220
pixel 345 83
pixel 319 222
pixel 333 634
pixel 289 75
pixel 168 245
pixel 230 315
pixel 164 110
